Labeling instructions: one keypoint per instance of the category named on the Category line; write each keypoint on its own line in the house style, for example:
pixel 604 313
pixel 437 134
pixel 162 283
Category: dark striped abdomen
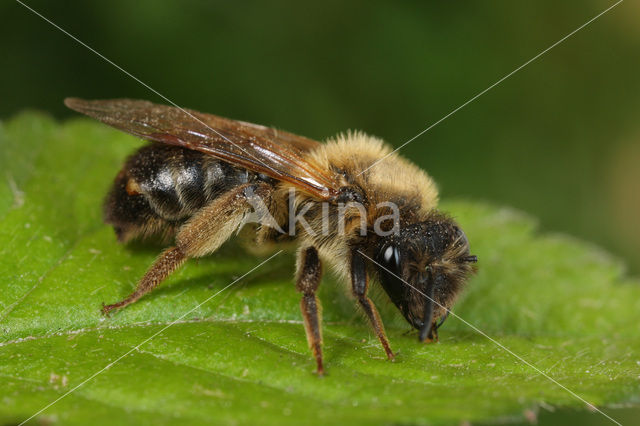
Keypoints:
pixel 161 186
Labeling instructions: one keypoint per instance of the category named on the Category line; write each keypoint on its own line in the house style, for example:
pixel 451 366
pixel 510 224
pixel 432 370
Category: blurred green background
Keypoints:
pixel 559 139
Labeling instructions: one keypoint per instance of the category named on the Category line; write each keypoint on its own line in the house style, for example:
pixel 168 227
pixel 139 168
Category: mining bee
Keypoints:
pixel 359 207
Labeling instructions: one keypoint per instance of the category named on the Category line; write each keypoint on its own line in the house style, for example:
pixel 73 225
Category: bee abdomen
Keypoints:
pixel 161 186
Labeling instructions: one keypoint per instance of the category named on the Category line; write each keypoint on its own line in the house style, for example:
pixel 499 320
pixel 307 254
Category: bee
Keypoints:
pixel 202 176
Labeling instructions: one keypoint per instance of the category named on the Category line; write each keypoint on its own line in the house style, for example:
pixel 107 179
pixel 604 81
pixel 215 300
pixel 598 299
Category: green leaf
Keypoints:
pixel 561 304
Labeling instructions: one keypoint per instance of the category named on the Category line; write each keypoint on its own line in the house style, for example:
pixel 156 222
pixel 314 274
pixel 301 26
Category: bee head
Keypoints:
pixel 422 268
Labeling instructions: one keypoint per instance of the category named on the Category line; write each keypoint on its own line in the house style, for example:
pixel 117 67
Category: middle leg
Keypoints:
pixel 359 286
pixel 308 278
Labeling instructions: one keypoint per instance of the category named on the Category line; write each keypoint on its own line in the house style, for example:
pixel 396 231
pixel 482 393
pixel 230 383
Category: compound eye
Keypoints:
pixel 391 258
pixel 390 274
pixel 461 237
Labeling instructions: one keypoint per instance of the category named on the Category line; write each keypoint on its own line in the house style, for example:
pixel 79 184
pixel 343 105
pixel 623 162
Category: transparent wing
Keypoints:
pixel 278 154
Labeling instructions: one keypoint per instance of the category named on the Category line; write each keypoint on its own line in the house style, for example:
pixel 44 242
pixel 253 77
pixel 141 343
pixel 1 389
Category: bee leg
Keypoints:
pixel 359 286
pixel 309 273
pixel 166 263
pixel 199 236
pixel 433 336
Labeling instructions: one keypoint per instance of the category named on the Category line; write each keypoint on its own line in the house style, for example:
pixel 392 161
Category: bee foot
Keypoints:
pixel 106 309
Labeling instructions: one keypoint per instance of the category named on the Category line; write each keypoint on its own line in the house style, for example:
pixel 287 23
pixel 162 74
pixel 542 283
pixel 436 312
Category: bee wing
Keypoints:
pixel 275 153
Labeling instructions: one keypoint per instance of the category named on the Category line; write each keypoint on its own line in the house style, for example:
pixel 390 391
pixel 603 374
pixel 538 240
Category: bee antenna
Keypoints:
pixel 428 311
pixel 470 259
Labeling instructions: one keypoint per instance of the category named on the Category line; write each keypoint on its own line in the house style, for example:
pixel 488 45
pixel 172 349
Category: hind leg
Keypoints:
pixel 201 235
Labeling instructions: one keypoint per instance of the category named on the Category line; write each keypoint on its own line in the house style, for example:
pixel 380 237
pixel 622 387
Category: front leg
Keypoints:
pixel 308 278
pixel 359 286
